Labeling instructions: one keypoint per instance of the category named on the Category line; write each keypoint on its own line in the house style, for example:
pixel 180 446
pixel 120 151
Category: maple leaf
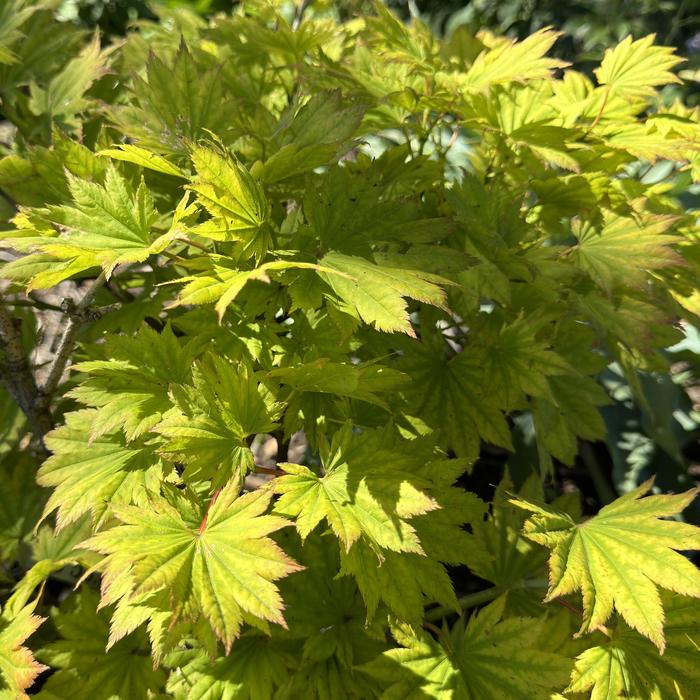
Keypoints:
pixel 207 429
pixel 634 68
pixel 511 61
pixel 629 666
pixel 367 490
pixel 623 251
pixel 83 669
pixel 176 103
pixel 130 388
pixel 315 134
pixel 108 225
pixel 229 192
pixel 572 412
pixel 375 293
pixel 482 660
pixel 221 563
pixel 64 96
pixel 448 395
pixel 322 376
pixel 326 613
pixel 404 582
pixel 225 281
pixel 618 557
pixel 252 670
pixel 131 153
pixel 87 475
pixel 18 668
pixel 501 553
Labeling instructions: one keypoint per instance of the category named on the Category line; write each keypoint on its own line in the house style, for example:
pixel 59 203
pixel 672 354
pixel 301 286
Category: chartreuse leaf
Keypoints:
pixel 322 376
pixel 108 225
pixel 221 564
pixel 488 658
pixel 376 294
pixel 88 474
pixel 131 153
pixel 84 670
pixel 508 61
pixel 12 15
pixel 619 557
pixel 634 68
pixel 214 416
pixel 18 668
pixel 129 389
pixel 407 582
pixel 629 666
pixel 365 491
pixel 176 103
pixel 224 281
pixel 231 195
pixel 393 507
pixel 63 97
pixel 625 249
pixel 252 670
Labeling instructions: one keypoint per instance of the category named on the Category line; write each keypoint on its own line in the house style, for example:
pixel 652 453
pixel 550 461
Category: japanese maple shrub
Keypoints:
pixel 396 249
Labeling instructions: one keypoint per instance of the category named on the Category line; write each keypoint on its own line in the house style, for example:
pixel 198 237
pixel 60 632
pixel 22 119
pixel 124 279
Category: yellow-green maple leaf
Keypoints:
pixel 619 557
pixel 634 68
pixel 629 666
pixel 18 669
pixel 221 563
pixel 486 659
pixel 367 490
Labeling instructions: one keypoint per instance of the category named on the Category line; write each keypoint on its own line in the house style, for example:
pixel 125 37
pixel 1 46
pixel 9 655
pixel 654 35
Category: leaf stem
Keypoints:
pixel 603 488
pixel 466 602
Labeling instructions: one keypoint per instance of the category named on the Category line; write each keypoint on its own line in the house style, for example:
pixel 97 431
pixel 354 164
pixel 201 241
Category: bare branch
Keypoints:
pixel 77 315
pixel 18 379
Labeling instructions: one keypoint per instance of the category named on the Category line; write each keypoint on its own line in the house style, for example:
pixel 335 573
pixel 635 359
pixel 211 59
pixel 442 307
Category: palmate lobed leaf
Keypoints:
pixel 365 491
pixel 130 387
pixel 629 666
pixel 635 68
pixel 377 293
pixel 469 663
pixel 84 670
pixel 223 566
pixel 90 474
pixel 18 668
pixel 620 557
pixel 109 225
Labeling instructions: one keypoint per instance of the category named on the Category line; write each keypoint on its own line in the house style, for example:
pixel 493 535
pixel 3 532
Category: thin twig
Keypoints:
pixel 17 377
pixel 77 316
pixel 299 14
pixel 268 470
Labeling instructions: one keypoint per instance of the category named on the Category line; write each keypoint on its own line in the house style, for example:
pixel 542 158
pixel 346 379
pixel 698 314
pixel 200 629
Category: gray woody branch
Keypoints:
pixel 16 373
pixel 17 377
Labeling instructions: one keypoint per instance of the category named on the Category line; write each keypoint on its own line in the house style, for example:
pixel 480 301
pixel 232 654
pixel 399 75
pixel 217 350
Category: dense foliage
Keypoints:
pixel 387 256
